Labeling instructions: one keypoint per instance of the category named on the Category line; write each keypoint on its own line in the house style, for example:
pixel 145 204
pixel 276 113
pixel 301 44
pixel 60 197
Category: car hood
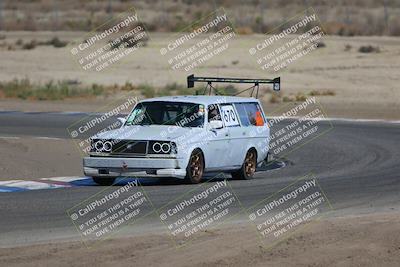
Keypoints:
pixel 147 132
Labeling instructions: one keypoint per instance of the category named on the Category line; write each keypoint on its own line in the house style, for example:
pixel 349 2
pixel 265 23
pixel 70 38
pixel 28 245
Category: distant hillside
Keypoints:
pixel 341 17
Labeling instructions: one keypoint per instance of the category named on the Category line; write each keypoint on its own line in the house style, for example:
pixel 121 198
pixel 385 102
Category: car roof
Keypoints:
pixel 202 99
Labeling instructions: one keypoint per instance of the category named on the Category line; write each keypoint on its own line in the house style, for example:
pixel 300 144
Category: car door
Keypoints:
pixel 237 135
pixel 217 141
pixel 235 145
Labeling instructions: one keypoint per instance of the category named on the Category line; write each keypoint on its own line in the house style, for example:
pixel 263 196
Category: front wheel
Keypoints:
pixel 246 172
pixel 195 168
pixel 104 181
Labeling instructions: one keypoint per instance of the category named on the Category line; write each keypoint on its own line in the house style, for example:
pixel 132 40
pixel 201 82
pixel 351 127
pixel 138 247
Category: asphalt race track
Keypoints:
pixel 356 163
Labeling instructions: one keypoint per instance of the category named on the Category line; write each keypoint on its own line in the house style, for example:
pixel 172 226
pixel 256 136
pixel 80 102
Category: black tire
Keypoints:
pixel 104 181
pixel 195 167
pixel 246 172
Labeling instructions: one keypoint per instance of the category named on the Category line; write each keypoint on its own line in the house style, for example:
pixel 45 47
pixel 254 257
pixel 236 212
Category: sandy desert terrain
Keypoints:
pixel 363 240
pixel 364 84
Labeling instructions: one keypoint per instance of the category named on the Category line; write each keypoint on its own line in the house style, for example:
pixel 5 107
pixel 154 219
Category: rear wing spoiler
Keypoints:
pixel 191 79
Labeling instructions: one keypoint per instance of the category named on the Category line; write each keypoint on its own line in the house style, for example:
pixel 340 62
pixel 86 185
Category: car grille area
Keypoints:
pixel 129 147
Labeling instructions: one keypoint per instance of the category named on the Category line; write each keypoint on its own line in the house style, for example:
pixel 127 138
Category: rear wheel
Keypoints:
pixel 246 172
pixel 195 168
pixel 103 180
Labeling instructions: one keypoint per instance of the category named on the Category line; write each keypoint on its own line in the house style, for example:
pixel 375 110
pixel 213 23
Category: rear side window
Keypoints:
pixel 250 114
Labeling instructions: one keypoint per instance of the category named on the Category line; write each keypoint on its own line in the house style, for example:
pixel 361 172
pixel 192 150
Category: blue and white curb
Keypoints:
pixel 62 182
pixel 44 183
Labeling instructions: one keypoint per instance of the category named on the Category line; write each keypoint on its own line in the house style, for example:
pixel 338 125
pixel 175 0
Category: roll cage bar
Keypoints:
pixel 191 79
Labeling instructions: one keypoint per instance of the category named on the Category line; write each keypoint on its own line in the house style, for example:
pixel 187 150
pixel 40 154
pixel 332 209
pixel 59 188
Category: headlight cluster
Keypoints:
pixel 159 147
pixel 101 146
pixel 134 147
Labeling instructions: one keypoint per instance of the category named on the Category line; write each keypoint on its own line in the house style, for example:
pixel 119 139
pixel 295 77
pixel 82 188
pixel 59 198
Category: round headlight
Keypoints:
pixel 107 146
pixel 166 148
pixel 157 147
pixel 99 146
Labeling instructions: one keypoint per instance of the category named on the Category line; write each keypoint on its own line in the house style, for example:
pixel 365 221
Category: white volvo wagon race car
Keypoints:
pixel 182 137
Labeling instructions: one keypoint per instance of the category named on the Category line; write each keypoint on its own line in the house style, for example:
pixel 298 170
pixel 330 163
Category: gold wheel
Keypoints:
pixel 248 168
pixel 195 167
pixel 250 163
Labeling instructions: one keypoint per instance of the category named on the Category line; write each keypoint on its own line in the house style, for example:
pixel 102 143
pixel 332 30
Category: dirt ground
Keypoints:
pixel 365 84
pixel 367 240
pixel 30 158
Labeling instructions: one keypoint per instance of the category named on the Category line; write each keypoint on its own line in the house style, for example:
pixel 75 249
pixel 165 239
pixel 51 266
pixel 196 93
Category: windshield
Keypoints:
pixel 167 113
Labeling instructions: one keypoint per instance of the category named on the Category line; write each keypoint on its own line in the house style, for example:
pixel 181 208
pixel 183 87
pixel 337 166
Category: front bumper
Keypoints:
pixel 136 167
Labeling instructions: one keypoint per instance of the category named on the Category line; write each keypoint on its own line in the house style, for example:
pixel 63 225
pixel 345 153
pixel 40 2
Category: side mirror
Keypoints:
pixel 213 125
pixel 122 121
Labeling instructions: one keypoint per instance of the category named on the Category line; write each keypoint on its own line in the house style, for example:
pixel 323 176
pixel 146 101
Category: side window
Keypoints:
pixel 229 116
pixel 244 119
pixel 213 113
pixel 250 114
